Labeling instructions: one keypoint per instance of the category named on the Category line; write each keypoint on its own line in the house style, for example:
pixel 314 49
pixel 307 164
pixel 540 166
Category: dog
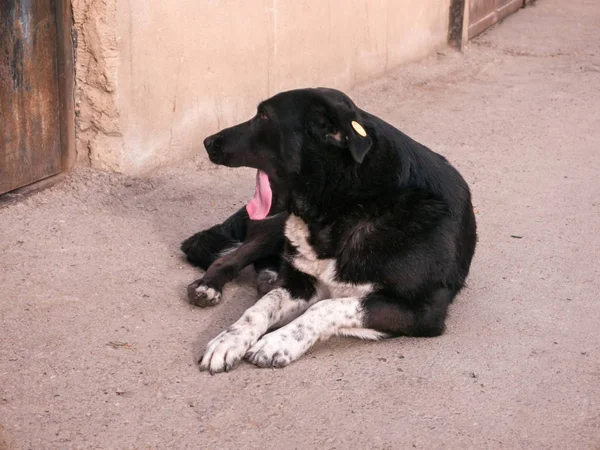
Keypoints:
pixel 379 230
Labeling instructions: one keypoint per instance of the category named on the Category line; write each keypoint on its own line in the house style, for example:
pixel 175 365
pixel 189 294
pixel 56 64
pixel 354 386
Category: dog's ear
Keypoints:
pixel 358 140
pixel 342 129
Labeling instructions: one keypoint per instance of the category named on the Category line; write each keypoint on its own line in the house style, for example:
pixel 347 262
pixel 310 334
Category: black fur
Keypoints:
pixel 225 249
pixel 204 248
pixel 390 211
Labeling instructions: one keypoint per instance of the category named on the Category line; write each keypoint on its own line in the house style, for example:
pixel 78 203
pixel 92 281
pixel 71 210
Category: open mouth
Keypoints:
pixel 259 206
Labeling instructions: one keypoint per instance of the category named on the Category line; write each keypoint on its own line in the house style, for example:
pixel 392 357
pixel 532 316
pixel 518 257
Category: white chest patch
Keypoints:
pixel 324 270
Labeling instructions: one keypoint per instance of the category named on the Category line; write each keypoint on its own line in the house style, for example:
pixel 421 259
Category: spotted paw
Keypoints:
pixel 225 351
pixel 276 349
pixel 202 295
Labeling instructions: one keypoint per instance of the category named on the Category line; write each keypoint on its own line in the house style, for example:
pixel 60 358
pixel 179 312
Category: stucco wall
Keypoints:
pixel 97 109
pixel 154 78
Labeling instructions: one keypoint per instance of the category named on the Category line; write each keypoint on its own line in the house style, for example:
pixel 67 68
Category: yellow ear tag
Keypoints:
pixel 359 129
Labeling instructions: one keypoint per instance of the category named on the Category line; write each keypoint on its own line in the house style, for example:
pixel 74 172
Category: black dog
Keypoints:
pixel 380 233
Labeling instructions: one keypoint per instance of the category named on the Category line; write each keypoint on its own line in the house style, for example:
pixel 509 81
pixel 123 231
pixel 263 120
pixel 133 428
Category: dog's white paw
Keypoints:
pixel 225 351
pixel 276 349
pixel 268 276
pixel 265 282
pixel 208 294
pixel 202 295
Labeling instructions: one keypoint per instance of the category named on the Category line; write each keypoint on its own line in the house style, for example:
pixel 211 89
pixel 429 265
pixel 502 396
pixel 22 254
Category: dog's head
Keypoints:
pixel 294 133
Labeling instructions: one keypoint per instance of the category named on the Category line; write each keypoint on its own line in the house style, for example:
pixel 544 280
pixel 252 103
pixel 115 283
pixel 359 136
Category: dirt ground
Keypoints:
pixel 98 345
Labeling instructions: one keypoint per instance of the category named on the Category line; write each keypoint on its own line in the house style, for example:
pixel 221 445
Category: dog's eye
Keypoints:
pixel 262 115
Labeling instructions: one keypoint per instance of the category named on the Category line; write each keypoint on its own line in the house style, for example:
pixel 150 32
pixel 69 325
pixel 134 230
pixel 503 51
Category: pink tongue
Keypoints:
pixel 258 208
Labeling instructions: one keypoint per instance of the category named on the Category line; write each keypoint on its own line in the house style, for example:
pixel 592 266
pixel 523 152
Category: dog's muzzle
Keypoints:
pixel 214 147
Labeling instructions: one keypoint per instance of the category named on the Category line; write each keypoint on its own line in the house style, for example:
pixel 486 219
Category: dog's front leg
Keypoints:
pixel 340 316
pixel 228 348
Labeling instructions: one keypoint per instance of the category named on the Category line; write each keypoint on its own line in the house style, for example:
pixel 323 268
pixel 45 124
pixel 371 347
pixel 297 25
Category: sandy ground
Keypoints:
pixel 98 345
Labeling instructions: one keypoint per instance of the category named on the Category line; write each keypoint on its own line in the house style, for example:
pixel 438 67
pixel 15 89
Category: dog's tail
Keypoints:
pixel 205 247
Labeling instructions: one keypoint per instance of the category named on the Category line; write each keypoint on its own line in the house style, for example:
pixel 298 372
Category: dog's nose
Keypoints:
pixel 210 141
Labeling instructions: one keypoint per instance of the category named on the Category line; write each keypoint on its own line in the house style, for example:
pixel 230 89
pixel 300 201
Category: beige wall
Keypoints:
pixel 169 73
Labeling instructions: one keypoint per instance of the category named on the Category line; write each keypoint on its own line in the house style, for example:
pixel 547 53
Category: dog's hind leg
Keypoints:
pixel 205 247
pixel 399 316
pixel 265 241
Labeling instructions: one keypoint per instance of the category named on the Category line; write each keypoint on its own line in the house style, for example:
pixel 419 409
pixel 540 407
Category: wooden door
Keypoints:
pixel 30 128
pixel 485 13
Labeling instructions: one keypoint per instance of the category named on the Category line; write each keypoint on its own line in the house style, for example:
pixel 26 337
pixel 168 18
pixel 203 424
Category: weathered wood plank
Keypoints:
pixel 30 147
